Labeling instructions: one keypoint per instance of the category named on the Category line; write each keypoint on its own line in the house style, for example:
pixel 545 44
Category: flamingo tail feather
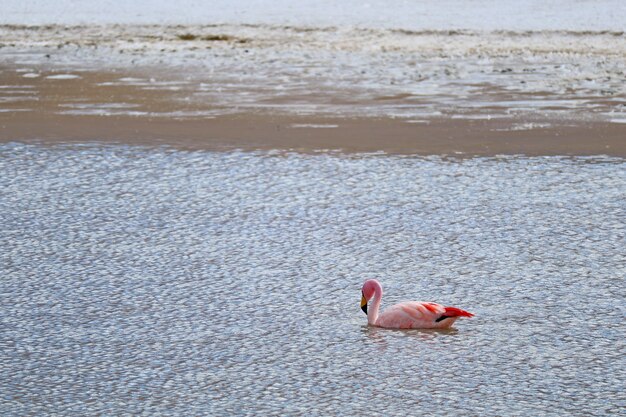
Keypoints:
pixel 457 312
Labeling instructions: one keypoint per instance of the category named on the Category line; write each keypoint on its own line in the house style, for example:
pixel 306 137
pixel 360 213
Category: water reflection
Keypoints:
pixel 379 335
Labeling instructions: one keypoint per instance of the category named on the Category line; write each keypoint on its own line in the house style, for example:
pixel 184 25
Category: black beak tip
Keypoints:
pixel 364 308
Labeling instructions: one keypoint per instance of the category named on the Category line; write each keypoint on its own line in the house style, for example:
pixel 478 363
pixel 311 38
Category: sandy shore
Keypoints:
pixel 309 134
pixel 79 110
pixel 223 87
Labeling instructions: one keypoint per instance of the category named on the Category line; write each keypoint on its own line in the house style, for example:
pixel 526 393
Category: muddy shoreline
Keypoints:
pixel 310 134
pixel 263 87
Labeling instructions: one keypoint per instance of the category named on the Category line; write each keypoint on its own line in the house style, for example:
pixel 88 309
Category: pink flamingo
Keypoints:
pixel 407 315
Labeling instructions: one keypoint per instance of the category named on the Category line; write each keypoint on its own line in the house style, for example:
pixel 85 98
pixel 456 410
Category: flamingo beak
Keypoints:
pixel 363 303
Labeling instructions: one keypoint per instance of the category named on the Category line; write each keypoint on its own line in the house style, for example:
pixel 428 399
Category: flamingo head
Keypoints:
pixel 367 292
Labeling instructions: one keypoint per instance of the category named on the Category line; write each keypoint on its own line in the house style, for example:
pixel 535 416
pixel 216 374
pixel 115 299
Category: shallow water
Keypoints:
pixel 178 71
pixel 424 14
pixel 403 59
pixel 152 280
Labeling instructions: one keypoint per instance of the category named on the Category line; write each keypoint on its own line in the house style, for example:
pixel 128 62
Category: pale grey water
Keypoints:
pixel 163 282
pixel 406 14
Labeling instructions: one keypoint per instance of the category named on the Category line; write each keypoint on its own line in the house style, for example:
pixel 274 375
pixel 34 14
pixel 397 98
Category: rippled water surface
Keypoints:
pixel 151 280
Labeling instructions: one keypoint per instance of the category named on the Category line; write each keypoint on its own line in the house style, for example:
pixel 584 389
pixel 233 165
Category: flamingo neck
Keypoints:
pixel 372 315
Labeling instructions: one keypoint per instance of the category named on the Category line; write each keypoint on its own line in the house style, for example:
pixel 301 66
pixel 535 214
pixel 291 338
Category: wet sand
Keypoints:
pixel 309 134
pixel 64 111
pixel 398 93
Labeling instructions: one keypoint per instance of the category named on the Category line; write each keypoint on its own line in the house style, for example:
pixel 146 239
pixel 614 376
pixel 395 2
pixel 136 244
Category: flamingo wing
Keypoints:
pixel 411 315
pixel 420 315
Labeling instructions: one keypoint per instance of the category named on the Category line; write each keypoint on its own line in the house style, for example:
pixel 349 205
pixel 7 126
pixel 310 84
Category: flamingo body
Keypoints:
pixel 409 314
